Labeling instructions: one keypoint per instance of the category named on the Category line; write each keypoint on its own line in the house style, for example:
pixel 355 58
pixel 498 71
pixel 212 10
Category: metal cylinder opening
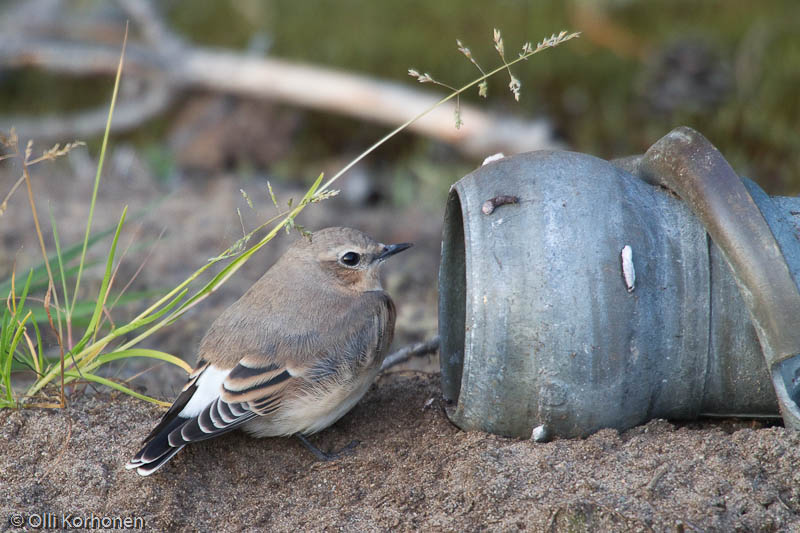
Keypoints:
pixel 452 299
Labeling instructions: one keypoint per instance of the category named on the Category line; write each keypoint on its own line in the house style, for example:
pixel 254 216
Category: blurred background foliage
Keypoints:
pixel 729 68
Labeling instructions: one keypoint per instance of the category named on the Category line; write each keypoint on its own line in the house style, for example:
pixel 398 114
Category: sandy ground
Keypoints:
pixel 413 470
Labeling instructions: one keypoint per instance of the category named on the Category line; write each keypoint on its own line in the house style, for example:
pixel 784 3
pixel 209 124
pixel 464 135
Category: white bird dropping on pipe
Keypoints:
pixel 628 272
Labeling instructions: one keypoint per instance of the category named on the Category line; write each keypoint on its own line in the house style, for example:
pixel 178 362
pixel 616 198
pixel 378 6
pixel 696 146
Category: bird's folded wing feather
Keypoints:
pixel 248 391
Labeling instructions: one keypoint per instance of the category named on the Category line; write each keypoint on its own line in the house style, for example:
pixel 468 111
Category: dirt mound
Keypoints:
pixel 412 471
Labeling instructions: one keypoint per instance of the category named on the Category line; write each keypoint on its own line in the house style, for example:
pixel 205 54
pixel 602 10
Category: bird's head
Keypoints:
pixel 349 257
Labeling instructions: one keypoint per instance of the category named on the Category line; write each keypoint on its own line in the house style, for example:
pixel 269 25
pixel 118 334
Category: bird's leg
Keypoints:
pixel 325 456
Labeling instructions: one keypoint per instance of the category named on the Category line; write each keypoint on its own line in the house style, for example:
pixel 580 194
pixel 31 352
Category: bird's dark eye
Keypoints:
pixel 350 259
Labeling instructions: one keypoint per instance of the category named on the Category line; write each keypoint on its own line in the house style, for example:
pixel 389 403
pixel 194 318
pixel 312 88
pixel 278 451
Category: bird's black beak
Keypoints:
pixel 392 249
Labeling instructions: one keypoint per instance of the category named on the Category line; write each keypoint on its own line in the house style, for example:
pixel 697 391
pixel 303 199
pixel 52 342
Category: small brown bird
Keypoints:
pixel 292 355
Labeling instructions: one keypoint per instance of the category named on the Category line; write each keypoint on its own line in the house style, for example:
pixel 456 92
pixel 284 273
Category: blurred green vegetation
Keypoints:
pixel 729 68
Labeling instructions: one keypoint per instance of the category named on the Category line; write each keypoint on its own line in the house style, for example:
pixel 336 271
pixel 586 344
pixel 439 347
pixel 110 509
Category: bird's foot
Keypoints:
pixel 326 456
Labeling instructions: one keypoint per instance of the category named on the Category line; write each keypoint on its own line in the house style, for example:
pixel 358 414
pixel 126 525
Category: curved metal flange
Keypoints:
pixel 688 164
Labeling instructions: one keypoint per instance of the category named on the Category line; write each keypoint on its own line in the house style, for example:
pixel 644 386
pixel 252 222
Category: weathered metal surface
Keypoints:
pixel 537 323
pixel 748 235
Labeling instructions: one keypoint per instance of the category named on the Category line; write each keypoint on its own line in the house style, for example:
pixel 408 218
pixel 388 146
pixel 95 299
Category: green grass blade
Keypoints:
pixel 100 162
pixel 24 295
pixel 8 356
pixel 101 297
pixel 136 324
pixel 313 190
pixel 6 353
pixel 40 349
pixel 54 226
pixel 114 385
pixel 5 330
pixel 140 352
pixel 10 335
pixel 90 331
